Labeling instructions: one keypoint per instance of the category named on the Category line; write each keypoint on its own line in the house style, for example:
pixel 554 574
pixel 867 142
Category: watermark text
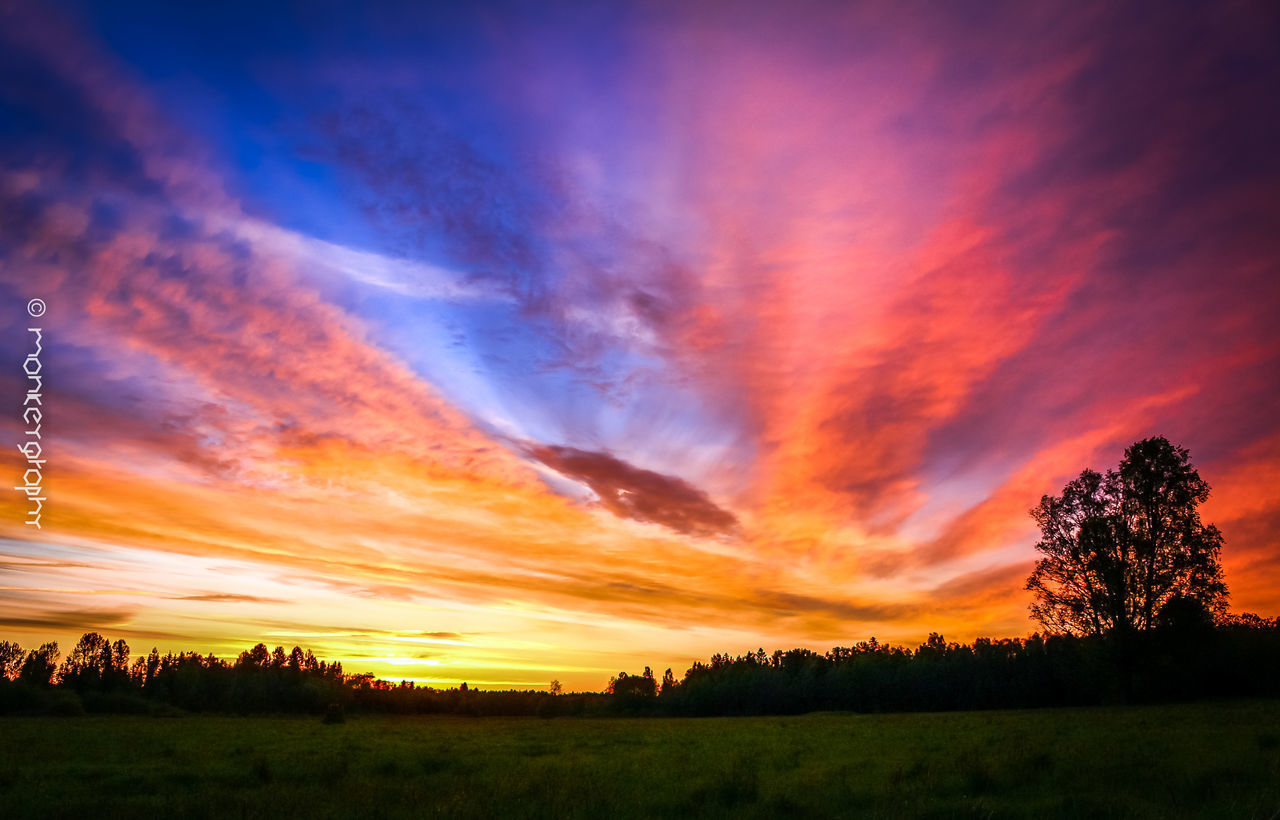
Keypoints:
pixel 32 446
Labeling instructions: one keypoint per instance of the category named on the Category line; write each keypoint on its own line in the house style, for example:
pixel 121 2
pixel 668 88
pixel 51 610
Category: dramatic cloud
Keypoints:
pixel 815 301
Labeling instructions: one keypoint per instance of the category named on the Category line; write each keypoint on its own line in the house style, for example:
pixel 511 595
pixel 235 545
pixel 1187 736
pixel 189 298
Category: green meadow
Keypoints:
pixel 1199 760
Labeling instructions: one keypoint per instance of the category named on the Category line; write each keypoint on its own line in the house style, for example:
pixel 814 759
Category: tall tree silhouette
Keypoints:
pixel 11 657
pixel 40 666
pixel 1119 547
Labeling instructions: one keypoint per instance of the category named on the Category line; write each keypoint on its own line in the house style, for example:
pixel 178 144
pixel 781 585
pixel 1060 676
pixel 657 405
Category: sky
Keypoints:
pixel 510 342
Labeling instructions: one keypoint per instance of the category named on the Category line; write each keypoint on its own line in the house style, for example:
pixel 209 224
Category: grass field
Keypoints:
pixel 1204 760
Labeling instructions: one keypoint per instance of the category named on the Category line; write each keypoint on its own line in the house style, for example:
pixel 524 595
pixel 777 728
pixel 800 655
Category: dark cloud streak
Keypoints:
pixel 644 495
pixel 71 619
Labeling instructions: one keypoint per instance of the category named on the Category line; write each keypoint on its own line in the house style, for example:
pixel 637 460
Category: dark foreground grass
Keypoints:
pixel 1203 760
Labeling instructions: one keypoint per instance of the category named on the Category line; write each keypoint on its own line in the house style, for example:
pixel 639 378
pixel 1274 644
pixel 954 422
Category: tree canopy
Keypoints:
pixel 1124 549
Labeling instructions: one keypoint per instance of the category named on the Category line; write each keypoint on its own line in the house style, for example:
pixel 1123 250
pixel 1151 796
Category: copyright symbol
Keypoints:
pixel 36 307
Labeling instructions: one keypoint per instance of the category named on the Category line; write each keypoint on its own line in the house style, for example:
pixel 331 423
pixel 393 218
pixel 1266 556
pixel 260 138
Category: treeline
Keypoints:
pixel 98 676
pixel 1236 657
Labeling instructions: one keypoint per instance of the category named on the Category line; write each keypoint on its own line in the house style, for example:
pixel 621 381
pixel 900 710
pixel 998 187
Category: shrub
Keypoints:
pixel 65 704
pixel 333 714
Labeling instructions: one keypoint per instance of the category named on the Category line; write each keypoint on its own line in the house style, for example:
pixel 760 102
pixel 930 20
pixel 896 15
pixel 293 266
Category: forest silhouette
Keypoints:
pixel 1238 656
pixel 1129 590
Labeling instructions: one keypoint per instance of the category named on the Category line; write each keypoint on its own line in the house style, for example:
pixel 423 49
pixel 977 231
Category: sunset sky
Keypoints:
pixel 508 342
